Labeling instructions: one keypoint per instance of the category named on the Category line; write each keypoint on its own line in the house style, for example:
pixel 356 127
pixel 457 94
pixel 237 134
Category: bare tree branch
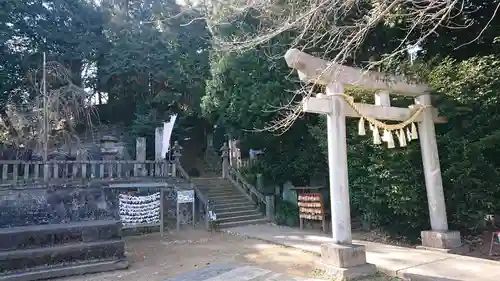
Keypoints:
pixel 67 105
pixel 334 27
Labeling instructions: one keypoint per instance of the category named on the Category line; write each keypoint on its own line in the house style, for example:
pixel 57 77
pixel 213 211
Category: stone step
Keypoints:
pixel 38 236
pixel 237 213
pixel 211 179
pixel 241 207
pixel 223 192
pixel 243 222
pixel 226 197
pixel 232 207
pixel 222 205
pixel 241 200
pixel 212 185
pixel 218 187
pixel 240 218
pixel 59 254
pixel 215 185
pixel 46 272
pixel 232 199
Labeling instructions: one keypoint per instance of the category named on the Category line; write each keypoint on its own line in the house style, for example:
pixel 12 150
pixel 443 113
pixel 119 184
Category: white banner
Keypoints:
pixel 168 127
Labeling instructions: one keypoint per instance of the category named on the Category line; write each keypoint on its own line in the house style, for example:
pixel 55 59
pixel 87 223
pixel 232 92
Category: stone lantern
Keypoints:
pixel 109 149
pixel 109 152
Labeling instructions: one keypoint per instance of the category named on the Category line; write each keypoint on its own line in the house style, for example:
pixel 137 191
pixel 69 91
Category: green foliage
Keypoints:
pixel 243 85
pixel 286 213
pixel 470 141
pixel 155 68
pixel 244 95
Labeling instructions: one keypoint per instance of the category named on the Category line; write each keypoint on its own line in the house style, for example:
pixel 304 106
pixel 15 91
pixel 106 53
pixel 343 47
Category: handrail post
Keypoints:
pixel 259 182
pixel 270 208
pixel 207 217
pixel 46 171
pixel 140 155
pixel 225 160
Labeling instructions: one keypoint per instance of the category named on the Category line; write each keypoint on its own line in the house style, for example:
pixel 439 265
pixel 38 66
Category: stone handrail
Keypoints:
pixel 237 179
pixel 14 171
pixel 207 204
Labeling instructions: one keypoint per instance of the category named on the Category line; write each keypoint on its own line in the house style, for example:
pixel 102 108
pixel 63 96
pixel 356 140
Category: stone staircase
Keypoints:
pixel 232 207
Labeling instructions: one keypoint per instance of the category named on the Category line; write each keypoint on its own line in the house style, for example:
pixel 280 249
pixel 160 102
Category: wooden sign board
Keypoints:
pixel 311 207
pixel 185 196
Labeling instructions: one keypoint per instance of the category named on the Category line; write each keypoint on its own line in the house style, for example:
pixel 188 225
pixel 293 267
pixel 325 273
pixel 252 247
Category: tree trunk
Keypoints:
pixel 7 122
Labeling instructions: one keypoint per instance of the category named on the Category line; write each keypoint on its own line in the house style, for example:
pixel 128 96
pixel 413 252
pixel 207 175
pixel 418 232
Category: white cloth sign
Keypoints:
pixel 136 210
pixel 168 127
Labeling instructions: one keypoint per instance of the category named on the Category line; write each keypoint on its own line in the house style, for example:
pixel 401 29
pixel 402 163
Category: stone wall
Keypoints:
pixel 75 203
pixel 25 207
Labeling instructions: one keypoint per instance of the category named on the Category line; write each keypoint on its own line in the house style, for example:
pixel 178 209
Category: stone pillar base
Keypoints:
pixel 441 241
pixel 345 261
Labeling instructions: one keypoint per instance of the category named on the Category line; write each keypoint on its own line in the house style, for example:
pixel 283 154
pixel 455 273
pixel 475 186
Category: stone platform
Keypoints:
pixel 236 272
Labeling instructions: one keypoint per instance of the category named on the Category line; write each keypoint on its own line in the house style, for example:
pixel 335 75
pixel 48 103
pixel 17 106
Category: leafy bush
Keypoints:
pixel 286 213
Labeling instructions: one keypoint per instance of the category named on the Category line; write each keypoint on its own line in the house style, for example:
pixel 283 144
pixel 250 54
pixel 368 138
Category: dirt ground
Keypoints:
pixel 156 258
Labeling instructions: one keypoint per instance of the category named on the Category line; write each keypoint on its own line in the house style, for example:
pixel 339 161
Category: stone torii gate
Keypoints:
pixel 341 256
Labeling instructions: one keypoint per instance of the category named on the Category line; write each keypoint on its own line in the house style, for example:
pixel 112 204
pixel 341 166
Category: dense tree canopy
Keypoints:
pixel 128 57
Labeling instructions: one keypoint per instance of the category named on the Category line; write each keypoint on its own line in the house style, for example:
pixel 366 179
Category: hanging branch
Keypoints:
pixel 332 27
pixel 66 105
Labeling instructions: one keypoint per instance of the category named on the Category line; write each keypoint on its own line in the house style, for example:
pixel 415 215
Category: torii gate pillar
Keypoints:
pixel 341 258
pixel 337 166
pixel 439 237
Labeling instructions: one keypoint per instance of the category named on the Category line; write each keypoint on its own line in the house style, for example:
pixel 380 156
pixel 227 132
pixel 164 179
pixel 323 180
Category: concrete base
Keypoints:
pixel 345 261
pixel 448 240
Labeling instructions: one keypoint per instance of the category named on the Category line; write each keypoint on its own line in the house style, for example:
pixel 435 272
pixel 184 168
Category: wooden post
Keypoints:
pixel 270 208
pixel 191 186
pixel 232 151
pixel 178 216
pixel 158 143
pixel 259 182
pixel 225 160
pixel 140 155
pixel 162 211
